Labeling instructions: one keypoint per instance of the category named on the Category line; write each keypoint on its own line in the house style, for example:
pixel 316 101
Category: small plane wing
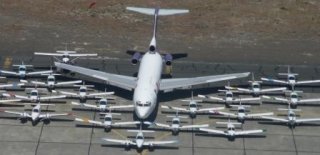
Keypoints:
pixel 148 143
pixel 68 93
pixel 21 97
pixel 99 94
pixel 210 109
pixel 243 90
pixel 174 108
pixel 15 112
pixel 125 123
pixel 167 85
pixel 48 54
pixel 68 82
pixel 11 85
pixel 123 142
pixel 211 97
pixel 212 131
pixel 309 100
pixel 194 126
pixel 52 97
pixel 88 121
pixel 307 82
pixel 38 83
pixel 247 99
pixel 12 100
pixel 125 82
pixel 274 80
pixel 163 125
pixel 275 98
pixel 273 89
pixel 226 113
pixel 8 72
pixel 39 72
pixel 308 120
pixel 53 115
pixel 247 132
pixel 259 114
pixel 83 54
pixel 275 119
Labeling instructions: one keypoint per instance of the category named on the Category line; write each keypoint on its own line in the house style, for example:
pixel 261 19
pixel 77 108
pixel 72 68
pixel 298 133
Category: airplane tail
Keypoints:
pixel 156 12
pixel 289 72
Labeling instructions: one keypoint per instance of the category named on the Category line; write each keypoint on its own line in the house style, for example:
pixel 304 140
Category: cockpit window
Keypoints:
pixel 231 128
pixel 294 96
pixel 291 115
pixel 291 78
pixel 51 79
pixel 229 95
pixel 82 90
pixel 139 104
pixel 107 119
pixel 241 111
pixel 193 105
pixel 34 93
pixel 22 69
pixel 103 103
pixel 175 122
pixel 146 104
pixel 139 137
pixel 256 86
pixel 35 110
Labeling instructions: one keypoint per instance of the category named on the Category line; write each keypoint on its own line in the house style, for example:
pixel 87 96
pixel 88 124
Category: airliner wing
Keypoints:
pixel 212 131
pixel 308 120
pixel 49 54
pixel 68 82
pixel 40 72
pixel 274 80
pixel 275 119
pixel 307 82
pixel 125 82
pixel 167 85
pixel 8 72
pixel 273 89
pixel 237 133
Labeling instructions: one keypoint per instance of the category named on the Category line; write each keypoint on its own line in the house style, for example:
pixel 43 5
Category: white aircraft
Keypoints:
pixel 229 99
pixel 22 71
pixel 293 101
pixel 35 116
pixel 242 114
pixel 34 96
pixel 102 105
pixel 255 88
pixel 175 125
pixel 231 133
pixel 66 55
pixel 291 79
pixel 148 82
pixel 291 119
pixel 107 122
pixel 139 142
pixel 52 83
pixel 83 94
pixel 11 85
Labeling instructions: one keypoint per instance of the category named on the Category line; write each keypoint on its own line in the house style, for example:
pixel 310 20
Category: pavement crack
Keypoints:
pixel 91 135
pixel 39 139
pixel 294 142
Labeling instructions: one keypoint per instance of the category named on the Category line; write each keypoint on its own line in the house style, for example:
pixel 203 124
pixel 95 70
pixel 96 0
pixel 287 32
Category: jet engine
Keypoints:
pixel 135 58
pixel 168 59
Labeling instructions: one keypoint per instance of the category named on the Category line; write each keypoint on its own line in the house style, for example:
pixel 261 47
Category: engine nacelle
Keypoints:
pixel 136 58
pixel 168 59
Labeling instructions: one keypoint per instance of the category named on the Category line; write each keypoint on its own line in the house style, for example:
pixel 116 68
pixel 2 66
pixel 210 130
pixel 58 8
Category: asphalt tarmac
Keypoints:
pixel 63 136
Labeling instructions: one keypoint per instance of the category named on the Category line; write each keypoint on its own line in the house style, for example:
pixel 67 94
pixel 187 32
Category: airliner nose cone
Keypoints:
pixel 142 112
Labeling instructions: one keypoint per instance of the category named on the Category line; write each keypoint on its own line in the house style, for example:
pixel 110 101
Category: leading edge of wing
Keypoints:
pixel 170 84
pixel 125 82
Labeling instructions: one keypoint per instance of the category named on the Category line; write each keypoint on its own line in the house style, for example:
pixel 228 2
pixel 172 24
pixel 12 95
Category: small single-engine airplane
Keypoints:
pixel 175 127
pixel 139 142
pixel 22 71
pixel 35 116
pixel 291 119
pixel 65 55
pixel 231 133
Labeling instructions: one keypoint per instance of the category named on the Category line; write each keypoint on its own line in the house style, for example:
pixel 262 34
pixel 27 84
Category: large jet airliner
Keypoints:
pixel 148 82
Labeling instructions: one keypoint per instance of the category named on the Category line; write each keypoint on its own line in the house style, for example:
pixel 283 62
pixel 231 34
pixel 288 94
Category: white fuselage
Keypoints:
pixel 145 93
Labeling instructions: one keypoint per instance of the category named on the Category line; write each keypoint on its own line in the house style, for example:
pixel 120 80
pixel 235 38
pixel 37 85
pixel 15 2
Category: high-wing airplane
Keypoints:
pixel 34 96
pixel 291 119
pixel 148 82
pixel 35 116
pixel 255 88
pixel 294 100
pixel 231 133
pixel 229 99
pixel 66 56
pixel 107 122
pixel 83 94
pixel 175 125
pixel 51 82
pixel 242 114
pixel 139 142
pixel 22 71
pixel 291 79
